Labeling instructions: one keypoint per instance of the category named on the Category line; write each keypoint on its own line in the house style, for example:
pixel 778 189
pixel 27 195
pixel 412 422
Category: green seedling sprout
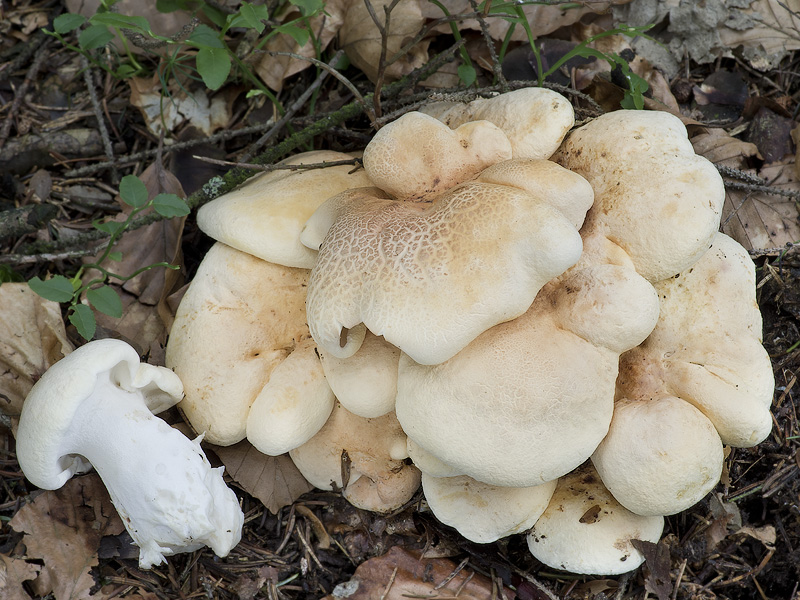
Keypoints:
pixel 99 295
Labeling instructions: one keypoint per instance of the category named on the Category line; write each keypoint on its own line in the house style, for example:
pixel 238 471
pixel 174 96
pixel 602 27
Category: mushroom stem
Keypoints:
pixel 167 494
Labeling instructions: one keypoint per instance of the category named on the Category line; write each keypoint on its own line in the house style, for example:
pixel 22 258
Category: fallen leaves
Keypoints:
pixel 32 338
pixel 63 528
pixel 400 574
pixel 272 479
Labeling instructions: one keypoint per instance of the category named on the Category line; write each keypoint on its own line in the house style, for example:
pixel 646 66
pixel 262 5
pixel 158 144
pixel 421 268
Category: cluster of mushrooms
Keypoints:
pixel 540 325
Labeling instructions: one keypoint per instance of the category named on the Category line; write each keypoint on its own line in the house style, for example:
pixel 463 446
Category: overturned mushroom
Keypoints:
pixel 95 408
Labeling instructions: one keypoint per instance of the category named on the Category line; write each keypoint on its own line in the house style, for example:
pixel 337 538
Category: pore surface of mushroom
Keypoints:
pixel 430 278
pixel 95 408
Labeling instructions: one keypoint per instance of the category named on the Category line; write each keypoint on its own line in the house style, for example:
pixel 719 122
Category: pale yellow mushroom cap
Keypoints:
pixel 529 400
pixel 370 453
pixel 485 513
pixel 365 383
pixel 706 348
pixel 654 197
pixel 430 278
pixel 265 215
pixel 417 156
pixel 585 530
pixel 534 119
pixel 240 317
pixel 661 455
pixel 294 404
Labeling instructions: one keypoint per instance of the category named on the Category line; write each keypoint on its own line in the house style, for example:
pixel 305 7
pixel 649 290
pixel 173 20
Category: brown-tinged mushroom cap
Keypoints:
pixel 661 455
pixel 534 119
pixel 430 278
pixel 654 197
pixel 264 215
pixel 294 404
pixel 417 156
pixel 365 383
pixel 240 317
pixel 365 458
pixel 485 513
pixel 585 530
pixel 706 348
pixel 529 400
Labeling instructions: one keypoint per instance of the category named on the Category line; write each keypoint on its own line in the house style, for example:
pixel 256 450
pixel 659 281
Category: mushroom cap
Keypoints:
pixel 661 455
pixel 428 463
pixel 430 278
pixel 417 156
pixel 534 119
pixel 55 402
pixel 706 348
pixel 654 197
pixel 585 530
pixel 294 404
pixel 512 409
pixel 240 317
pixel 265 215
pixel 485 513
pixel 369 453
pixel 365 383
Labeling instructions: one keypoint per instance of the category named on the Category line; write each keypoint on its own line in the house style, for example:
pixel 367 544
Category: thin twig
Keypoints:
pixel 497 69
pixel 98 113
pixel 28 259
pixel 763 189
pixel 30 75
pixel 278 167
pixel 298 104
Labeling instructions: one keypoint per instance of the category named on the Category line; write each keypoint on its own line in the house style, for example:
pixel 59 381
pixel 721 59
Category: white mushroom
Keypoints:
pixel 95 408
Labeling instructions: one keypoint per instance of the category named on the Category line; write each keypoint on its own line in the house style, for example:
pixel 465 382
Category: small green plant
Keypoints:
pixel 636 86
pixel 99 295
pixel 213 59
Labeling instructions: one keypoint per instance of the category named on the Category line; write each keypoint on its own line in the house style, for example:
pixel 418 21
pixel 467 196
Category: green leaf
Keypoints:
pixel 467 74
pixel 109 227
pixel 214 65
pixel 132 191
pixel 253 16
pixel 168 6
pixel 124 71
pixel 95 36
pixel 112 19
pixel 205 37
pixel 298 34
pixel 83 319
pixel 68 22
pixel 308 7
pixel 115 256
pixel 170 205
pixel 216 16
pixel 58 288
pixel 106 300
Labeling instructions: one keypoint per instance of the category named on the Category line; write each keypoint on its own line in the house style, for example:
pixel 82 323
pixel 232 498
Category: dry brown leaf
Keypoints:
pixel 32 339
pixel 400 574
pixel 146 317
pixel 13 573
pixel 272 479
pixel 766 534
pixel 542 19
pixel 273 70
pixel 63 528
pixel 361 40
pixel 162 114
pixel 754 219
